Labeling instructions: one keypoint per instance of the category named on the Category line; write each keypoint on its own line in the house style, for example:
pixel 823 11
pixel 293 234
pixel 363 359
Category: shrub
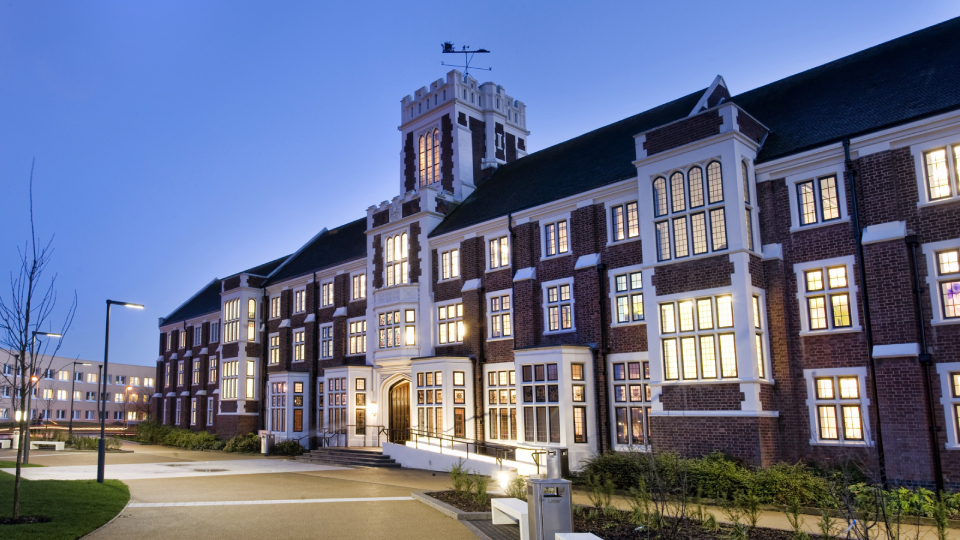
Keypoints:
pixel 152 433
pixel 288 448
pixel 460 477
pixel 517 488
pixel 247 444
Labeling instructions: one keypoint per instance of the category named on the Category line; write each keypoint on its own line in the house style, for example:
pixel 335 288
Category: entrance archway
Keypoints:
pixel 400 412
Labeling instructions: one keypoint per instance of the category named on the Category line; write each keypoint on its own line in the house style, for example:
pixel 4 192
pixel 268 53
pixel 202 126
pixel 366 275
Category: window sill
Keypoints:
pixel 831 331
pixel 354 300
pixel 944 322
pixel 819 224
pixel 938 202
pixel 498 269
pixel 841 444
pixel 554 257
pixel 448 280
pixel 503 338
pixel 611 243
pixel 627 324
pixel 555 332
pixel 447 344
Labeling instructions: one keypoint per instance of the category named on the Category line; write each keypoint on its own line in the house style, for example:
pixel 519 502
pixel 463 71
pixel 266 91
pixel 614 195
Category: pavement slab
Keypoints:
pixel 179 469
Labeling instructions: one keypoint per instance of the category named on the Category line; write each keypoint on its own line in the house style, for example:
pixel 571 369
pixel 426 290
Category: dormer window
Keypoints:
pixel 430 157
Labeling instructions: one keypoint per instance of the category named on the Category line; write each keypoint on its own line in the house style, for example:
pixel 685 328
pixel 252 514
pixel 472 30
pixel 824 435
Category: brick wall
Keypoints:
pixel 683 132
pixel 694 275
pixel 708 397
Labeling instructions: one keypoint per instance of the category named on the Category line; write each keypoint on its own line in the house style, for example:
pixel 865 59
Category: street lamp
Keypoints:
pixel 73 384
pixel 101 448
pixel 33 381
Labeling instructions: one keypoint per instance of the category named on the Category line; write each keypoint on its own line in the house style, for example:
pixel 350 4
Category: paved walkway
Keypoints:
pixel 256 497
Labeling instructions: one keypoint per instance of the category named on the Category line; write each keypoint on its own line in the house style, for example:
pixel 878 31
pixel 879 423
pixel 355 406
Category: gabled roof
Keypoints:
pixel 330 247
pixel 265 268
pixel 595 159
pixel 900 81
pixel 207 300
pixel 903 80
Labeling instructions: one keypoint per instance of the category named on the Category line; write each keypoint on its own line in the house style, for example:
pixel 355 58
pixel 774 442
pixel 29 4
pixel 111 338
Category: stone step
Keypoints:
pixel 331 460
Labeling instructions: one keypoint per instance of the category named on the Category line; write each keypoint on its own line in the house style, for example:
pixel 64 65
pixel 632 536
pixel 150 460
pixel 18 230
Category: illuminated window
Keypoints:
pixel 299 301
pixel 818 200
pixel 628 297
pixel 677 196
pixel 746 181
pixel 397 328
pixel 680 245
pixel 278 406
pixel 695 180
pixel 555 238
pixel 299 346
pixel 180 371
pixel 274 307
pixel 827 297
pixel 357 335
pixel 359 286
pixel 501 322
pixel 633 398
pixel 501 403
pixel 837 406
pixel 429 157
pixel 326 294
pixel 228 388
pixel 213 370
pixel 718 229
pixel 231 317
pixel 625 220
pixel 663 241
pixel 326 341
pixel 499 252
pixel 660 196
pixel 714 183
pixel 196 372
pixel 450 264
pixel 938 172
pixel 450 323
pixel 698 352
pixel 558 306
pixel 251 374
pixel 397 268
pixel 183 338
pixel 948 276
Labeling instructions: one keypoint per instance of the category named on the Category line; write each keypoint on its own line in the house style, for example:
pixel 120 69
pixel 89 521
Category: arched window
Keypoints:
pixel 676 192
pixel 714 182
pixel 746 182
pixel 430 157
pixel 660 196
pixel 695 177
pixel 397 269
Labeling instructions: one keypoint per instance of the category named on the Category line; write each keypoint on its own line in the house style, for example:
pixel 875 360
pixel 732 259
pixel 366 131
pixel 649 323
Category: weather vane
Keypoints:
pixel 467 56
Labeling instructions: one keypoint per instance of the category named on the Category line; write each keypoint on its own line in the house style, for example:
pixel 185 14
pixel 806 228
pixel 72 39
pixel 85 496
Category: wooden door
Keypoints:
pixel 400 412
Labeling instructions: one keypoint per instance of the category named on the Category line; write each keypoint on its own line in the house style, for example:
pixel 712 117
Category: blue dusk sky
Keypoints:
pixel 176 142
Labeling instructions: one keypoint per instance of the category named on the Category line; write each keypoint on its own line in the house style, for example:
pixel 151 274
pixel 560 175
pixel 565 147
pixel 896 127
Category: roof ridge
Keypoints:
pixel 297 252
pixel 163 320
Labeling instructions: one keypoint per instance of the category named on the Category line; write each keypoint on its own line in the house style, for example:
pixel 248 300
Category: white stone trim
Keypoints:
pixel 772 251
pixel 470 285
pixel 524 274
pixel 896 351
pixel 587 261
pixel 884 232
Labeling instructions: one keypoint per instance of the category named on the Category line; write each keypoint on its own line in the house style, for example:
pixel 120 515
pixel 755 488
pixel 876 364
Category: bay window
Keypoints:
pixel 397 266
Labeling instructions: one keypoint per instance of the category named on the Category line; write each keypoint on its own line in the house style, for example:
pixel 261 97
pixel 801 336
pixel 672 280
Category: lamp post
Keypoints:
pixel 33 381
pixel 73 384
pixel 101 448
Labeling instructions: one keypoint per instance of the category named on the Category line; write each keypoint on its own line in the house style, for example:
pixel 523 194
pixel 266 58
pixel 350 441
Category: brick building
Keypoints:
pixel 722 272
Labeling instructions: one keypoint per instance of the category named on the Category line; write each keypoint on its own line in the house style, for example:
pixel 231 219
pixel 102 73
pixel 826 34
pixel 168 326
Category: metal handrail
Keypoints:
pixel 497 451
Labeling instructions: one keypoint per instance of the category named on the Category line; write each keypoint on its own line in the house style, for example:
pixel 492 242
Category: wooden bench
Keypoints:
pixel 5 443
pixel 510 511
pixel 576 536
pixel 47 445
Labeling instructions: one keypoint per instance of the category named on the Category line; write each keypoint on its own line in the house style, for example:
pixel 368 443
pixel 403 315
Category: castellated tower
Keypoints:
pixel 456 132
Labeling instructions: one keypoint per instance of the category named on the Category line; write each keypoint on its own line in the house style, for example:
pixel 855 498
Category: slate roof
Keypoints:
pixel 344 243
pixel 207 300
pixel 595 159
pixel 902 80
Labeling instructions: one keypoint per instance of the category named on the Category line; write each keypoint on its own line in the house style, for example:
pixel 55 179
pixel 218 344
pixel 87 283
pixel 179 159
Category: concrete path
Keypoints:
pixel 180 469
pixel 256 497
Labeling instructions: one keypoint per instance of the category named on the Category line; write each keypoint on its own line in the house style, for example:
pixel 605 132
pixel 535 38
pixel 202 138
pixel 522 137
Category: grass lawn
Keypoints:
pixel 13 465
pixel 75 507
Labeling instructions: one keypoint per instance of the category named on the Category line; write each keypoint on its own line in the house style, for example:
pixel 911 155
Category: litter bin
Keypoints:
pixel 558 463
pixel 549 508
pixel 266 442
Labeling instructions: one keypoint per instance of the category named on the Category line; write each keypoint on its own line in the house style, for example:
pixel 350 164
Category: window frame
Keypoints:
pixel 623 205
pixel 298 348
pixel 920 151
pixel 934 279
pixel 648 393
pixel 457 319
pixel 391 260
pixel 802 295
pixel 327 294
pixel 544 287
pixel 448 264
pixel 323 340
pixel 666 233
pixel 793 182
pixel 490 314
pixel 498 237
pixel 813 403
pixel 555 221
pixel 358 280
pixel 359 337
pixel 613 294
pixel 429 175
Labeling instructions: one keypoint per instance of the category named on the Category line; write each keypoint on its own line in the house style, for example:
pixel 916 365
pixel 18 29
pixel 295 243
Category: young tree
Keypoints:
pixel 27 310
